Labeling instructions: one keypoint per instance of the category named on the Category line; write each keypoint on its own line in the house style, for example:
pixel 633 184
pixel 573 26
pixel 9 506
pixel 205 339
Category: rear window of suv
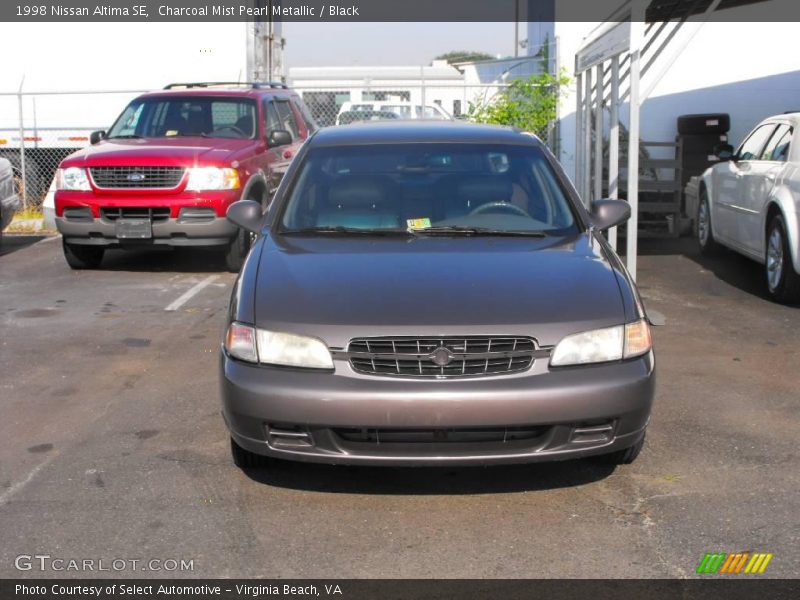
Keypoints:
pixel 187 116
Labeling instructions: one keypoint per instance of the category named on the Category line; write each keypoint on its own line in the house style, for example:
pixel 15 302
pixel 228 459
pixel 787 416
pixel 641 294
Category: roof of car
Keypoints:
pixel 241 92
pixel 420 131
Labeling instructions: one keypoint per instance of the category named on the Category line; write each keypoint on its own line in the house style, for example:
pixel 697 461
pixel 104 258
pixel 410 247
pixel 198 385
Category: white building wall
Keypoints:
pixel 743 68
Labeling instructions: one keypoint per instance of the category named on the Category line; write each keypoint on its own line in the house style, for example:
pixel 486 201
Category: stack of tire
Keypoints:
pixel 700 135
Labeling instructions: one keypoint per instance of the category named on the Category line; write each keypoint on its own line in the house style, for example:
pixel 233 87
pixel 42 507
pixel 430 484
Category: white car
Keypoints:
pixel 9 200
pixel 750 203
pixel 404 110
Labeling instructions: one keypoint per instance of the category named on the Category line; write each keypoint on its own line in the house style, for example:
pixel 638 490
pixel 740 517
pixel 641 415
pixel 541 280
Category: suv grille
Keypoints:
pixel 136 212
pixel 441 357
pixel 137 177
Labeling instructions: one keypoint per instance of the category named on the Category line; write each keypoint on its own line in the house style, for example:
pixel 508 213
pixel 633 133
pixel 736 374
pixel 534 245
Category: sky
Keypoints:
pixel 366 44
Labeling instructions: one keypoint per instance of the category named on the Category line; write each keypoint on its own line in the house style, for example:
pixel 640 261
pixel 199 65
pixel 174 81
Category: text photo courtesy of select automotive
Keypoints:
pixel 296 299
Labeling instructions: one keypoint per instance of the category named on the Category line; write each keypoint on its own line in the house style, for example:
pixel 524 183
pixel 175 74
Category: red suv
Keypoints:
pixel 172 163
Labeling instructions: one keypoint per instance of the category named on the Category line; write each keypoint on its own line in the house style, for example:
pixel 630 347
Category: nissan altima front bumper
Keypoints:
pixel 349 418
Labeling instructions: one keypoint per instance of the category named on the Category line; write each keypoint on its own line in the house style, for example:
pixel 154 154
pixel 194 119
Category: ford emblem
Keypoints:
pixel 136 177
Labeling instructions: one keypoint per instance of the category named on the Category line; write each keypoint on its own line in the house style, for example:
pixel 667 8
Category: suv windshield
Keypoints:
pixel 187 116
pixel 434 188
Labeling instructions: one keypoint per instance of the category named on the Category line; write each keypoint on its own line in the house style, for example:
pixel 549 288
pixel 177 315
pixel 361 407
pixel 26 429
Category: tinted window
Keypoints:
pixel 286 116
pixel 752 147
pixel 387 186
pixel 778 146
pixel 189 116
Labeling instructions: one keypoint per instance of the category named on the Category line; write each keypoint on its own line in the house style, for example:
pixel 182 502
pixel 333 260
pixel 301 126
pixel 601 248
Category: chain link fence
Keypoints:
pixel 38 130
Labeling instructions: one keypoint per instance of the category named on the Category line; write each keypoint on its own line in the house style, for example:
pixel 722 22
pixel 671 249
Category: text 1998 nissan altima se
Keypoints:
pixel 433 293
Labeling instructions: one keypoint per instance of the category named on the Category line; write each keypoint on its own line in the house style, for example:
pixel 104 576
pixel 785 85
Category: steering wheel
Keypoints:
pixel 231 128
pixel 502 205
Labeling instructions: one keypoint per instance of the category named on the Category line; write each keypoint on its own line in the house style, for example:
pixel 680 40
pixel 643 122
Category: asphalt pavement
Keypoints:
pixel 112 446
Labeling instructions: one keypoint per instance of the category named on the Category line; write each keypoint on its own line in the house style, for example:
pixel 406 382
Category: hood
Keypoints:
pixel 337 288
pixel 178 151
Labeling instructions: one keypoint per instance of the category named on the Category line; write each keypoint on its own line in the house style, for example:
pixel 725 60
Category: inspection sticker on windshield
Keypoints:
pixel 418 223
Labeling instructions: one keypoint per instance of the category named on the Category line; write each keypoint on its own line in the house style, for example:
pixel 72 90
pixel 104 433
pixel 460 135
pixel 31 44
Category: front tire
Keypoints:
pixel 783 283
pixel 244 459
pixel 705 236
pixel 80 257
pixel 625 456
pixel 237 250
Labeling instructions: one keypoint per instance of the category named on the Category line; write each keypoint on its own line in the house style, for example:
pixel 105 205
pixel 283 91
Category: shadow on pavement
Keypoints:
pixel 12 242
pixel 430 480
pixel 181 260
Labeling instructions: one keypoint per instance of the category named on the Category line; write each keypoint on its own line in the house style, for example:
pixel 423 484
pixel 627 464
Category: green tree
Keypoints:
pixel 457 56
pixel 530 104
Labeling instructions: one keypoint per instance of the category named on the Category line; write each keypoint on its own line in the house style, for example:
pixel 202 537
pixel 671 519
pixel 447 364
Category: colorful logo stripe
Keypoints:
pixel 733 564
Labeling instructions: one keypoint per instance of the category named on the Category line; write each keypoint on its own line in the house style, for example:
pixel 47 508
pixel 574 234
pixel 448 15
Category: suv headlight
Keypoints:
pixel 212 178
pixel 603 345
pixel 276 348
pixel 72 178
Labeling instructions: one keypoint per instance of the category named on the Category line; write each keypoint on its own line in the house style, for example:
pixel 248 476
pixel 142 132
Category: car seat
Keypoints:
pixel 360 201
pixel 472 192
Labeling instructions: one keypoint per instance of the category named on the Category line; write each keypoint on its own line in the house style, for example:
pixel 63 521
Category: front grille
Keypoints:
pixel 137 177
pixel 452 435
pixel 160 213
pixel 441 357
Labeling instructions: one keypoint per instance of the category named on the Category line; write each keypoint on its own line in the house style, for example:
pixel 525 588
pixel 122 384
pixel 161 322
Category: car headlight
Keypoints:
pixel 603 345
pixel 212 178
pixel 72 178
pixel 276 348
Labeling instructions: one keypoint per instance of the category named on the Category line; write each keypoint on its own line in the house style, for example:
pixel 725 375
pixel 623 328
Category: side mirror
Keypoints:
pixel 96 136
pixel 247 215
pixel 724 151
pixel 609 213
pixel 279 137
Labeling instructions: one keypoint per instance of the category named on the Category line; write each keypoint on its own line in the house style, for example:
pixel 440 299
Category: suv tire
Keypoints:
pixel 81 257
pixel 783 283
pixel 237 250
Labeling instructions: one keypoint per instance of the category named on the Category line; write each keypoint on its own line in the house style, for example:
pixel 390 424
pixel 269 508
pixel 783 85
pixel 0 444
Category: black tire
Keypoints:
pixel 783 282
pixel 705 234
pixel 625 456
pixel 81 257
pixel 237 250
pixel 700 124
pixel 244 459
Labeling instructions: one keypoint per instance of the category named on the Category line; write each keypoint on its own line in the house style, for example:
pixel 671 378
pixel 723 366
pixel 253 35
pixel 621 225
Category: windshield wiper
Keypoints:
pixel 341 230
pixel 130 136
pixel 463 230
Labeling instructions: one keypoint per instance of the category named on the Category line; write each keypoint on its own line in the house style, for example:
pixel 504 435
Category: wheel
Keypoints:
pixel 625 456
pixel 237 250
pixel 244 459
pixel 705 236
pixel 783 282
pixel 83 257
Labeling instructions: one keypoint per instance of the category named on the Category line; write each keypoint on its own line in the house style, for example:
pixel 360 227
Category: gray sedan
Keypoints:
pixel 9 200
pixel 433 293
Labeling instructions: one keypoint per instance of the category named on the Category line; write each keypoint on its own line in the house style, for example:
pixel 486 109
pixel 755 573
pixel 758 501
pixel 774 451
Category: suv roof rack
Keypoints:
pixel 256 85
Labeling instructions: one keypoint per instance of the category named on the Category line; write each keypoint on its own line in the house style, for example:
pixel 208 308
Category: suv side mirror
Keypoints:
pixel 724 151
pixel 96 136
pixel 609 213
pixel 246 214
pixel 279 137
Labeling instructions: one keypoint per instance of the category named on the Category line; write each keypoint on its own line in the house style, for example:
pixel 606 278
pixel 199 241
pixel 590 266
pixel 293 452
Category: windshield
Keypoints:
pixel 187 116
pixel 459 188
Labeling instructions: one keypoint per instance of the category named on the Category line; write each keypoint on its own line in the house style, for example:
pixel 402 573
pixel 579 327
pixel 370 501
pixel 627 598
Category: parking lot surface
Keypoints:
pixel 112 445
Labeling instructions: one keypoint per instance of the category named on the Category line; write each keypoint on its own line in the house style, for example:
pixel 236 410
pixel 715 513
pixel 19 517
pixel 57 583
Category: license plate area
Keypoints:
pixel 134 229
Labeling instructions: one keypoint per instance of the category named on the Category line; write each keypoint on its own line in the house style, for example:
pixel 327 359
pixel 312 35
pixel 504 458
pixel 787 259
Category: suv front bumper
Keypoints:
pixel 542 415
pixel 215 231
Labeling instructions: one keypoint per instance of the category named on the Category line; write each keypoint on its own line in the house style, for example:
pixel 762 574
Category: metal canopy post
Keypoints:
pixel 598 135
pixel 613 143
pixel 637 35
pixel 586 184
pixel 578 132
